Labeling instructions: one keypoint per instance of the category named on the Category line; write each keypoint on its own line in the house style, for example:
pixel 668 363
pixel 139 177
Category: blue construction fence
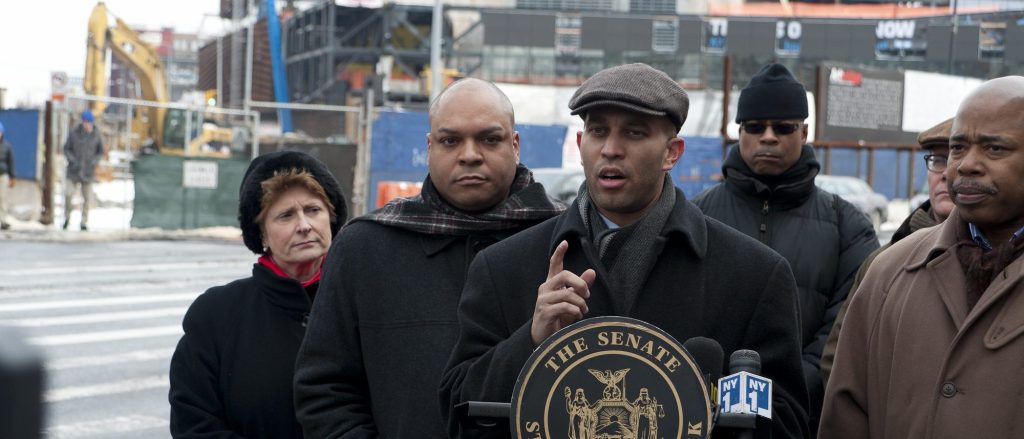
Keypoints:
pixel 701 167
pixel 890 169
pixel 22 130
pixel 399 153
pixel 399 150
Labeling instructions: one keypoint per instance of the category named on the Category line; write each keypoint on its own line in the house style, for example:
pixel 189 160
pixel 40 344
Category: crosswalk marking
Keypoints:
pixel 110 359
pixel 105 319
pixel 110 388
pixel 98 301
pixel 48 289
pixel 77 319
pixel 162 267
pixel 94 337
pixel 106 427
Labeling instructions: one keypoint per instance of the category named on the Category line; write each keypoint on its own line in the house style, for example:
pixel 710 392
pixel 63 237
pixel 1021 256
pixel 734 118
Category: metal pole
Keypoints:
pixel 296 106
pixel 726 89
pixel 187 147
pixel 361 183
pixel 236 53
pixel 48 165
pixel 952 40
pixel 250 44
pixel 128 128
pixel 220 71
pixel 435 50
pixel 255 134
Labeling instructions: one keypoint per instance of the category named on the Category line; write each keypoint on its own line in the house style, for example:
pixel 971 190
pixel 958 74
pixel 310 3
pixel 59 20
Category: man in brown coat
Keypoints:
pixel 932 343
pixel 935 141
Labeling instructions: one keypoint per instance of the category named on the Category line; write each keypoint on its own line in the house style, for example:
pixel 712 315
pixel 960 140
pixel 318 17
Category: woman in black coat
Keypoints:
pixel 231 374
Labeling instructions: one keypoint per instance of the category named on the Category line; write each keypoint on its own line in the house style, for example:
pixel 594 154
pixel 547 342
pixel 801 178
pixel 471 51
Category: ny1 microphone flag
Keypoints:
pixel 744 392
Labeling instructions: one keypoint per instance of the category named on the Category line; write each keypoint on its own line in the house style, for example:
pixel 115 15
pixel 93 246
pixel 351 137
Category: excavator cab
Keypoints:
pixel 206 139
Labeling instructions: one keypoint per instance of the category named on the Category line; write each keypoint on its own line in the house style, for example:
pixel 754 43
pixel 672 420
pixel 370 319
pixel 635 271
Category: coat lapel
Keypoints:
pixel 1009 323
pixel 948 278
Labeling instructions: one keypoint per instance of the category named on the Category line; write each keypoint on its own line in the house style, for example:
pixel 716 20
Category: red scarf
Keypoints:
pixel 266 261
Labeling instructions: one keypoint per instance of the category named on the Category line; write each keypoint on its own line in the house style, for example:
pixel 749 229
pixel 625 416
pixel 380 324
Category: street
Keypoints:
pixel 107 316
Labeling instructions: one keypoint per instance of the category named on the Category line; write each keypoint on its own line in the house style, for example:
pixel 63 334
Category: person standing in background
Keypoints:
pixel 231 373
pixel 83 151
pixel 769 194
pixel 935 141
pixel 6 176
pixel 385 318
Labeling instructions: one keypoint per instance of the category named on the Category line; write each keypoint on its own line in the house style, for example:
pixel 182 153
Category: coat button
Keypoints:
pixel 948 389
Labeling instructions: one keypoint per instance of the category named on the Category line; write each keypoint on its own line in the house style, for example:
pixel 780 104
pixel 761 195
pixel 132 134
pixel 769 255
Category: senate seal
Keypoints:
pixel 610 378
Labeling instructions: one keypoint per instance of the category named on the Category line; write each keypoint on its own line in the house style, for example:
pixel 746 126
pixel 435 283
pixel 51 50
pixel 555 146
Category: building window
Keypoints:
pixel 991 44
pixel 567 34
pixel 665 34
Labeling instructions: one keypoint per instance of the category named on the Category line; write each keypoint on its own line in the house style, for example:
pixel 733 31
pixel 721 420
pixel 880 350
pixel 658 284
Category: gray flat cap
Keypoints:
pixel 635 87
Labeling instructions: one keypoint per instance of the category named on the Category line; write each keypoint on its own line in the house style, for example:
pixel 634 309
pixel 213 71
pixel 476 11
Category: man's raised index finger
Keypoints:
pixel 557 257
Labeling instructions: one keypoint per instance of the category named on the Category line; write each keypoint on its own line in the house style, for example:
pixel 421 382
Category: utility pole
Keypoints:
pixel 952 40
pixel 235 92
pixel 436 68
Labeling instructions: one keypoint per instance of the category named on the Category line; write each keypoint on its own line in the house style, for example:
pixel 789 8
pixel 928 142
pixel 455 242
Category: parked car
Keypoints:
pixel 920 197
pixel 859 193
pixel 562 184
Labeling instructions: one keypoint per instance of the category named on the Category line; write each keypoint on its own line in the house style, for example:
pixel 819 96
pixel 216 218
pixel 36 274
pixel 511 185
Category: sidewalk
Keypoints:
pixel 109 218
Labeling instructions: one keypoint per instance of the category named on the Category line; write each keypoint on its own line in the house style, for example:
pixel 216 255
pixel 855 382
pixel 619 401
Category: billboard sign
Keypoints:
pixel 859 103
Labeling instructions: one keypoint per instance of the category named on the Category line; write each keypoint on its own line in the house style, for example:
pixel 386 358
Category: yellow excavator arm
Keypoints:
pixel 125 44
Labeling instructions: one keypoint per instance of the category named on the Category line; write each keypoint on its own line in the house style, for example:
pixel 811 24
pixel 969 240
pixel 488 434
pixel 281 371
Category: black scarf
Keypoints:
pixel 635 244
pixel 790 188
pixel 526 205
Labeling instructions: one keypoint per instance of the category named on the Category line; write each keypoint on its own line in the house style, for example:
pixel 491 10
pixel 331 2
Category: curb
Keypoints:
pixel 50 234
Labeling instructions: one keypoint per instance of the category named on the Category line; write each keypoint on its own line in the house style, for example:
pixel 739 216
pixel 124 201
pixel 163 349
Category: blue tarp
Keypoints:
pixel 400 154
pixel 21 130
pixel 700 167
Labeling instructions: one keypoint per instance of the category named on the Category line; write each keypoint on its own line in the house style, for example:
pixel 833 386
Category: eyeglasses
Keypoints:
pixel 935 163
pixel 780 128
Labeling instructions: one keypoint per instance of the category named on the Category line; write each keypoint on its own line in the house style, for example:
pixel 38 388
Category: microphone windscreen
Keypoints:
pixel 708 354
pixel 745 360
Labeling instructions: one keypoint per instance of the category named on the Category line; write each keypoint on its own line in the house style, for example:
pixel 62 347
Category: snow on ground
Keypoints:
pixel 109 219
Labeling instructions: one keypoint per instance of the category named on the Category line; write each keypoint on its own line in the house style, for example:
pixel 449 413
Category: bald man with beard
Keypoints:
pixel 932 343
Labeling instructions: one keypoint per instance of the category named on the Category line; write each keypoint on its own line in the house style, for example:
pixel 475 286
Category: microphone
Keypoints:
pixel 744 395
pixel 708 355
pixel 745 360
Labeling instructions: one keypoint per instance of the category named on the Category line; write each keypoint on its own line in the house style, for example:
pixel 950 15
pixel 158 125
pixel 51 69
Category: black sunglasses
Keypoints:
pixel 781 128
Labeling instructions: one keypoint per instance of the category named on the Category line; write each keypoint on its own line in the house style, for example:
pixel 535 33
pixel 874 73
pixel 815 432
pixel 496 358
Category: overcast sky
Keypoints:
pixel 42 36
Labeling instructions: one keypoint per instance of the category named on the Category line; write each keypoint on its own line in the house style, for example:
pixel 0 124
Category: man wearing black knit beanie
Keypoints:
pixel 769 194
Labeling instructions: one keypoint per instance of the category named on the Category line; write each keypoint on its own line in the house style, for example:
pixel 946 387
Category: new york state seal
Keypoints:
pixel 610 378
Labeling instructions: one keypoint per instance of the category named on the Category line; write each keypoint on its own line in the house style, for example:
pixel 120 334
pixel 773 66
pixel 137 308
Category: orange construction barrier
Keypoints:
pixel 389 190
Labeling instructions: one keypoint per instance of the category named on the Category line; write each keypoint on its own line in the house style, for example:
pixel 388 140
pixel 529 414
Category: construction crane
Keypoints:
pixel 155 125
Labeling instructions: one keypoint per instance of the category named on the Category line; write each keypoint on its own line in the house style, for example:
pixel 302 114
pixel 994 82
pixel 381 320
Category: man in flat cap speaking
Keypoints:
pixel 630 245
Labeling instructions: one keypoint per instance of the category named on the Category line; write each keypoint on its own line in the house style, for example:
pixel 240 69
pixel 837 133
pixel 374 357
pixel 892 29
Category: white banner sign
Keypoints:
pixel 199 174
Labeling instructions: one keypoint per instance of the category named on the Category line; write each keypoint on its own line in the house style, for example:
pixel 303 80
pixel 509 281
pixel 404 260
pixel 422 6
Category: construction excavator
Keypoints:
pixel 153 126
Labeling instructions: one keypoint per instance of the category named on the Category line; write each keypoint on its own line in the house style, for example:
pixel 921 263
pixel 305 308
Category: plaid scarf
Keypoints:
pixel 526 205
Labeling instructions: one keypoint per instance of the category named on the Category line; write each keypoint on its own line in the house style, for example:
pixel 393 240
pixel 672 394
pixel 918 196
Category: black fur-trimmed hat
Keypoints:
pixel 262 168
pixel 772 94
